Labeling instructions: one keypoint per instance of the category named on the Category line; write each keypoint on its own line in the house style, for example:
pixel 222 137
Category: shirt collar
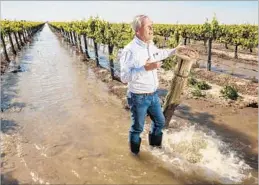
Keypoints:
pixel 141 43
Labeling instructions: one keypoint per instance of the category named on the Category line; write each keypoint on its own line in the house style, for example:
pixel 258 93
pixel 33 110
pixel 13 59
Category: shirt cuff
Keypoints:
pixel 173 51
pixel 140 69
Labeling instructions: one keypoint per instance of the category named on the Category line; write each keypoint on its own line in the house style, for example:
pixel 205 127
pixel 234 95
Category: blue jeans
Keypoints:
pixel 140 106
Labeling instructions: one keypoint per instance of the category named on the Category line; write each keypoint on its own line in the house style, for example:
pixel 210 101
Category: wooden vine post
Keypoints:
pixel 80 43
pixel 4 47
pixel 17 42
pixel 86 46
pixel 11 42
pixel 96 53
pixel 186 57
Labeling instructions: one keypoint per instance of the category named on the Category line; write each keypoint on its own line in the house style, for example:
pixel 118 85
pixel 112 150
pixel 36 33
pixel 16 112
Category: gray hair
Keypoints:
pixel 137 22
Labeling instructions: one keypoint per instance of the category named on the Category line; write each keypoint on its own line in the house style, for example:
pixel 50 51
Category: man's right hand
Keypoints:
pixel 151 66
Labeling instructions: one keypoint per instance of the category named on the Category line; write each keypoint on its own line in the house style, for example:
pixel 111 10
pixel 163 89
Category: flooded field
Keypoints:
pixel 60 125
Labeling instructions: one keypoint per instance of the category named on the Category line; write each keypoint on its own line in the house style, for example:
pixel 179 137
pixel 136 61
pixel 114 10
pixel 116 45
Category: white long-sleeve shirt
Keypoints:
pixel 132 61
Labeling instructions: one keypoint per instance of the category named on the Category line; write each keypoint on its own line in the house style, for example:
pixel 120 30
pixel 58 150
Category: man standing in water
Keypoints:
pixel 139 62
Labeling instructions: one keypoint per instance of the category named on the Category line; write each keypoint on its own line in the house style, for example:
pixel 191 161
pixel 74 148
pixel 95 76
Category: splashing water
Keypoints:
pixel 199 153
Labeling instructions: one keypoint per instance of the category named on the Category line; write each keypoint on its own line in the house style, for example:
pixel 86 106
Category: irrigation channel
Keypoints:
pixel 60 125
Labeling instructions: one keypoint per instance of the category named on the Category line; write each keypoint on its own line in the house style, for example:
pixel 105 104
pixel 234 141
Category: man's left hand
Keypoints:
pixel 180 46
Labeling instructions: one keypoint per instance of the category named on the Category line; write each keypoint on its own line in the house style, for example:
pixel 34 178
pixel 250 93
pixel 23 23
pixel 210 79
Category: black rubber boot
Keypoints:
pixel 155 140
pixel 134 147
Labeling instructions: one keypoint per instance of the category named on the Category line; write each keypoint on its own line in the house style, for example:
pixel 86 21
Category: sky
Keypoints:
pixel 171 12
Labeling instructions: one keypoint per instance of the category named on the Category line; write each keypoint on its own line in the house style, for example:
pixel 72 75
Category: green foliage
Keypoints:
pixel 192 81
pixel 15 26
pixel 202 85
pixel 229 92
pixel 120 34
pixel 197 92
pixel 169 63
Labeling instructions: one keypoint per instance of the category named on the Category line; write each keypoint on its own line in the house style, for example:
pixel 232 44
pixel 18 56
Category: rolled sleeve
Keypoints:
pixel 161 54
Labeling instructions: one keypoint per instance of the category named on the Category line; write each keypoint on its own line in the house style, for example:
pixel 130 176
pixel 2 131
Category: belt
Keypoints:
pixel 145 94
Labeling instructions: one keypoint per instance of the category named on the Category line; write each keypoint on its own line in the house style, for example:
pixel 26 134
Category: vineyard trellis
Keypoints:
pixel 117 35
pixel 21 30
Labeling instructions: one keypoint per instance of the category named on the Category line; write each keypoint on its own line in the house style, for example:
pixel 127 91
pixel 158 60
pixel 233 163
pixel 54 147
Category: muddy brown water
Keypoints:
pixel 60 125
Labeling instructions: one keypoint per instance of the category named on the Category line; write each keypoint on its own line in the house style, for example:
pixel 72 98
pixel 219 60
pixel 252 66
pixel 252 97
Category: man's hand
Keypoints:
pixel 151 66
pixel 180 46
